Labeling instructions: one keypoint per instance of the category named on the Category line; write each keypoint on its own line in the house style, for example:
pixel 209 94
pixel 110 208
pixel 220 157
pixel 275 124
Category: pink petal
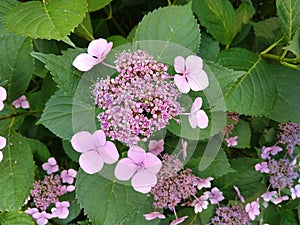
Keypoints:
pixel 84 62
pixel 52 161
pixel 72 172
pixel 25 104
pixel 156 147
pixel 109 152
pixel 125 169
pixel 196 104
pixel 1 156
pixel 143 181
pixel 2 142
pixel 91 162
pixel 198 81
pixel 98 138
pixel 137 154
pixel 97 48
pixel 1 106
pixel 181 83
pixel 42 221
pixel 82 141
pixel 154 215
pixel 152 163
pixel 202 119
pixel 194 64
pixel 179 64
pixel 193 120
pixel 3 94
pixel 107 49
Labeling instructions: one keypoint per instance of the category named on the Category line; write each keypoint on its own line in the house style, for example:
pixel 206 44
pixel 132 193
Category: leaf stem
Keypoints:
pixel 169 2
pixel 271 46
pixel 25 113
pixel 279 58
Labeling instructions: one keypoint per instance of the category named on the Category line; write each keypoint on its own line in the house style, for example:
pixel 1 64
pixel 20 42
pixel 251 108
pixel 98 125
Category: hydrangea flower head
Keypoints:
pixel 21 102
pixel 190 74
pixel 197 116
pixel 3 96
pixel 96 53
pixel 95 150
pixel 50 166
pixel 142 167
pixel 154 215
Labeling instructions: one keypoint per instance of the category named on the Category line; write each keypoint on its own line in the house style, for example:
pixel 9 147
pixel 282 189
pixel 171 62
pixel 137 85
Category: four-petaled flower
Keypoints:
pixel 278 200
pixel 141 166
pixel 215 195
pixel 95 150
pixel 61 210
pixel 262 167
pixel 50 166
pixel 42 217
pixel 252 209
pixel 295 192
pixel 197 116
pixel 200 203
pixel 231 141
pixel 3 96
pixel 190 74
pixel 21 102
pixel 268 196
pixel 201 183
pixel 96 53
pixel 68 176
pixel 154 215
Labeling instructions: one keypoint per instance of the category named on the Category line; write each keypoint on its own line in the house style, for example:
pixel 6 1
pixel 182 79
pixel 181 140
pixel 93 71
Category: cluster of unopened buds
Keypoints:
pixel 44 197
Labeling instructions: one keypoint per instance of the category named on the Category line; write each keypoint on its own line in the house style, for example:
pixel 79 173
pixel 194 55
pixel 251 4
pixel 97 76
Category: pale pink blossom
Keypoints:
pixel 3 96
pixel 183 149
pixel 239 194
pixel 231 141
pixel 68 176
pixel 95 150
pixel 200 203
pixel 278 200
pixel 61 210
pixel 204 183
pixel 190 74
pixel 96 53
pixel 154 215
pixel 21 102
pixel 265 152
pixel 178 220
pixel 198 117
pixel 275 149
pixel 66 188
pixel 262 167
pixel 31 211
pixel 156 147
pixel 2 145
pixel 141 166
pixel 268 196
pixel 50 166
pixel 295 192
pixel 41 217
pixel 252 209
pixel 215 195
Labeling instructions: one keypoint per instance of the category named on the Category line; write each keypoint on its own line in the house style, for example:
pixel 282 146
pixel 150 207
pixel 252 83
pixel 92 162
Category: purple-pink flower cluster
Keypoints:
pixel 138 101
pixel 289 136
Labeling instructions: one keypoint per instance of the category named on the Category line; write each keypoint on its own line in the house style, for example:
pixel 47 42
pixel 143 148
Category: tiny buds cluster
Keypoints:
pixel 289 136
pixel 48 191
pixel 231 141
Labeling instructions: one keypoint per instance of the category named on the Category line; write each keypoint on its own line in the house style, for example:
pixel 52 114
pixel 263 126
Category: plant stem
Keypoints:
pixel 169 2
pixel 271 46
pixel 25 113
pixel 279 58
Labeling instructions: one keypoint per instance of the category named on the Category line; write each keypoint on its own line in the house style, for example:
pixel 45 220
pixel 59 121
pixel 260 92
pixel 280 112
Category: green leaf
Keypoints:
pixel 163 24
pixel 15 218
pixel 218 17
pixel 39 149
pixel 209 48
pixel 94 5
pixel 106 201
pixel 253 93
pixel 289 16
pixel 53 19
pixel 64 74
pixel 244 12
pixel 5 6
pixel 219 166
pixel 294 44
pixel 242 130
pixel 288 217
pixel 17 67
pixel 59 114
pixel 69 150
pixel 245 178
pixel 85 29
pixel 16 172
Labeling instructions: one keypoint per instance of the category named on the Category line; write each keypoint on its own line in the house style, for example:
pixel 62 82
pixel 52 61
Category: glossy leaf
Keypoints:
pixel 163 24
pixel 294 44
pixel 218 17
pixel 15 218
pixel 16 172
pixel 209 48
pixel 53 19
pixel 244 13
pixel 242 130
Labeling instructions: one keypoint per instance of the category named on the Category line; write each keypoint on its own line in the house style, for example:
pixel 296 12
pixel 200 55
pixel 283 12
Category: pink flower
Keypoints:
pixel 178 220
pixel 95 150
pixel 2 145
pixel 96 53
pixel 231 141
pixel 200 203
pixel 252 209
pixel 3 96
pixel 50 166
pixel 265 152
pixel 215 195
pixel 239 194
pixel 262 167
pixel 67 176
pixel 31 211
pixel 295 192
pixel 197 116
pixel 61 210
pixel 183 150
pixel 156 147
pixel 204 183
pixel 275 149
pixel 154 215
pixel 268 196
pixel 41 217
pixel 276 201
pixel 190 74
pixel 21 102
pixel 141 166
pixel 65 189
